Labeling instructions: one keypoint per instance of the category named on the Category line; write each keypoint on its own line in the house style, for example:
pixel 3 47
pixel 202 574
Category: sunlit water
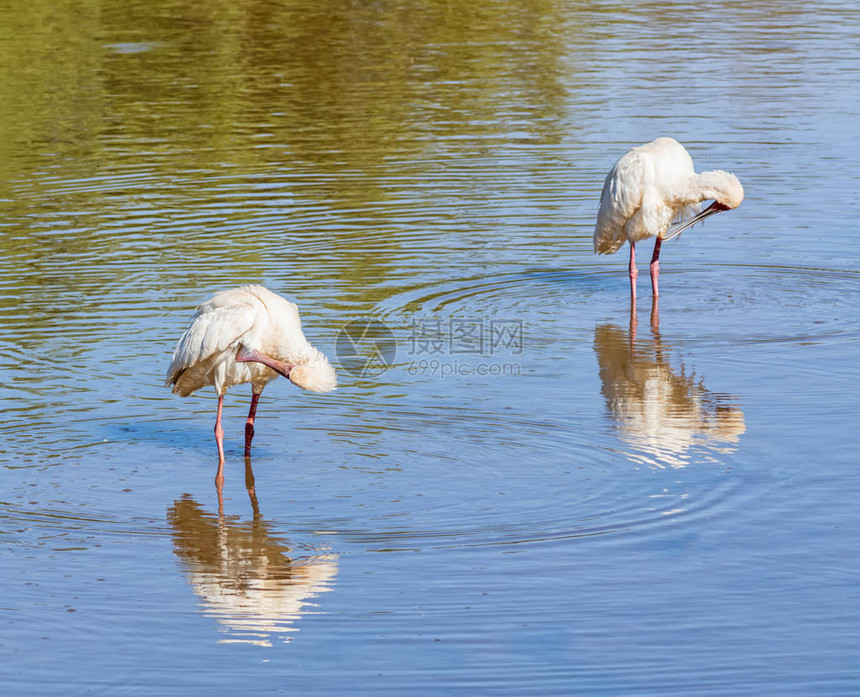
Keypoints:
pixel 544 492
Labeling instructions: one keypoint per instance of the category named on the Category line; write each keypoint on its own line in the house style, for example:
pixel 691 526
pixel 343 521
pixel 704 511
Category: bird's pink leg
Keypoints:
pixel 634 272
pixel 655 266
pixel 249 424
pixel 219 439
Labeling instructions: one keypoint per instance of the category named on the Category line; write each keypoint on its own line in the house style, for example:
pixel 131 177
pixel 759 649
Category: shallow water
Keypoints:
pixel 540 490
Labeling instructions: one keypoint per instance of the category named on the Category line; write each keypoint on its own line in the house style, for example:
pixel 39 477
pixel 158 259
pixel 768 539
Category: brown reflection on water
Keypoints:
pixel 248 578
pixel 658 408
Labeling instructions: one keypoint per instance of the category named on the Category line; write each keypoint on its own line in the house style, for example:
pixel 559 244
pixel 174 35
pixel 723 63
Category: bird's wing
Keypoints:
pixel 620 199
pixel 215 329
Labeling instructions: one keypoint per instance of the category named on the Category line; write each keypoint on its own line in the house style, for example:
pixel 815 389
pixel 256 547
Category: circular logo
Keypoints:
pixel 366 347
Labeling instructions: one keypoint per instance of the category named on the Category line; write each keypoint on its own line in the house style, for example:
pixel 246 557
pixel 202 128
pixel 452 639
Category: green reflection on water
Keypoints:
pixel 317 147
pixel 328 84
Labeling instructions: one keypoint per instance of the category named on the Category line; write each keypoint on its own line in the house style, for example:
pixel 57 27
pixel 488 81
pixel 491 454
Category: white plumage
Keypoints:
pixel 247 334
pixel 651 186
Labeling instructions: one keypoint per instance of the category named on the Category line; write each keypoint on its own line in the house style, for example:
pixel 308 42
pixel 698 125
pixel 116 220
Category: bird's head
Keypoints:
pixel 723 187
pixel 315 374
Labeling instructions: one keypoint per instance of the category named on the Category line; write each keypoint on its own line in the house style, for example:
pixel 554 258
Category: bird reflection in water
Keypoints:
pixel 249 579
pixel 660 409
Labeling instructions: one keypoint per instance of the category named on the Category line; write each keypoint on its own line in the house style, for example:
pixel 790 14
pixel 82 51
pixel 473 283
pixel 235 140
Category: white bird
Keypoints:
pixel 651 186
pixel 247 334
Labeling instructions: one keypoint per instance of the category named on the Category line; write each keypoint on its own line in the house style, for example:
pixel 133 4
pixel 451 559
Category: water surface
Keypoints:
pixel 546 491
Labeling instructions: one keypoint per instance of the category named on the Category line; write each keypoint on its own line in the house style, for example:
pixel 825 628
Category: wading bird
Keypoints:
pixel 248 334
pixel 651 186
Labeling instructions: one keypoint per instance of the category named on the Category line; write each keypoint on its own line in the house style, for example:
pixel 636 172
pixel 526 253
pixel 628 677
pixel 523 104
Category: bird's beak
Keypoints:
pixel 678 228
pixel 249 355
pixel 279 366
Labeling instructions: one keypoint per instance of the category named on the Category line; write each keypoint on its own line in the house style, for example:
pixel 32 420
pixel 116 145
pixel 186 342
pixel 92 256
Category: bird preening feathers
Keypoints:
pixel 247 334
pixel 653 191
pixel 250 334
